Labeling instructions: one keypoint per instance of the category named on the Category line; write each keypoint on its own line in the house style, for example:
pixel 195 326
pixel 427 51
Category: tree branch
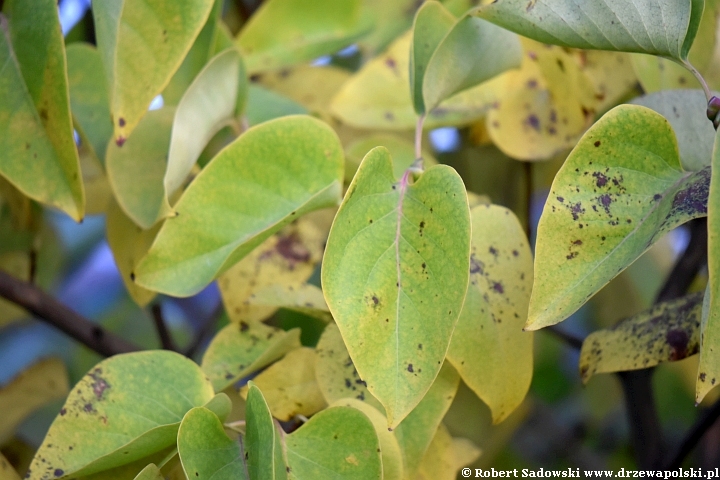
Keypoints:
pixel 165 338
pixel 57 314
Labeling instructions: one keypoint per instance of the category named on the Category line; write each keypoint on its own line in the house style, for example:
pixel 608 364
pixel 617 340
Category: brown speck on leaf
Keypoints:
pixel 244 327
pixel 121 122
pixel 120 141
pixel 410 368
pixel 597 143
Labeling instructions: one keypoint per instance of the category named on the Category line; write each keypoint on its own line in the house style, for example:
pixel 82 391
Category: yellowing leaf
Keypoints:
pixel 7 472
pixel 141 56
pixel 17 264
pixel 669 331
pixel 611 74
pixel 151 472
pixel 396 258
pixel 306 299
pixel 446 456
pixel 39 385
pixel 239 350
pixel 490 351
pixel 289 386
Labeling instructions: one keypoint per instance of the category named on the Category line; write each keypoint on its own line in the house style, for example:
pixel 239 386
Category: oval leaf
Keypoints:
pixel 269 176
pixel 395 276
pixel 125 408
pixel 206 452
pixel 618 192
pixel 264 439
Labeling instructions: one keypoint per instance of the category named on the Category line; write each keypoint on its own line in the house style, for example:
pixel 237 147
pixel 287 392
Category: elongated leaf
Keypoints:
pixel 125 408
pixel 89 99
pixel 151 472
pixel 137 168
pixel 619 191
pixel 432 23
pixel 665 28
pixel 239 350
pixel 709 368
pixel 397 258
pixel 141 469
pixel 289 386
pixel 488 346
pixel 416 432
pixel 39 154
pixel 339 442
pixel 40 384
pixel 392 461
pixel 129 243
pixel 208 104
pixel 667 332
pixel 685 110
pixel 286 32
pixel 206 452
pixel 264 439
pixel 446 456
pixel 271 175
pixel 7 472
pixel 141 56
pixel 306 299
pixel 449 70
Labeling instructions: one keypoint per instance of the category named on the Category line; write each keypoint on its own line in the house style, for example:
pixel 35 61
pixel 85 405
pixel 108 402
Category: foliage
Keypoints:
pixel 369 297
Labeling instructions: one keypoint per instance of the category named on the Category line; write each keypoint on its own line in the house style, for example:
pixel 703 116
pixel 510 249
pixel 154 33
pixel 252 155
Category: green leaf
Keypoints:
pixel 206 452
pixel 432 24
pixel 40 384
pixel 125 408
pixel 392 461
pixel 619 191
pixel 220 405
pixel 129 243
pixel 306 299
pixel 339 442
pixel 89 99
pixel 264 439
pixel 264 105
pixel 416 432
pixel 286 32
pixel 151 472
pixel 665 28
pixel 685 110
pixel 239 350
pixel 449 71
pixel 137 168
pixel 134 470
pixel 709 369
pixel 39 154
pixel 141 56
pixel 209 104
pixel 489 349
pixel 446 456
pixel 289 386
pixel 269 176
pixel 669 331
pixel 398 257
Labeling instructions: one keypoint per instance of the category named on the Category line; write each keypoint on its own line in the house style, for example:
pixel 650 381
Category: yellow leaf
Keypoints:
pixel 446 456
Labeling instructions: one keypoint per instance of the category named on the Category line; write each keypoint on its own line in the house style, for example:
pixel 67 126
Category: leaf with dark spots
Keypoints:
pixel 642 181
pixel 667 332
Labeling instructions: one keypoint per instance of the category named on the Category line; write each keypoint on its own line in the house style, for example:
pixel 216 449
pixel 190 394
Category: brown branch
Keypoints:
pixel 59 315
pixel 165 338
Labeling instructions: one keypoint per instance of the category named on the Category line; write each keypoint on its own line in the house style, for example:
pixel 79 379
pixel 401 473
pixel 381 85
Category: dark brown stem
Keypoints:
pixel 688 265
pixel 165 338
pixel 57 314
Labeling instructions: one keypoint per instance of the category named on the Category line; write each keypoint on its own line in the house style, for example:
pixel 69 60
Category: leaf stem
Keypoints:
pixel 418 137
pixel 699 77
pixel 165 338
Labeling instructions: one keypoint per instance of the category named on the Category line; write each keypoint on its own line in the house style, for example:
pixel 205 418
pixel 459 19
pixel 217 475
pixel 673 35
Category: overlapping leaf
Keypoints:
pixel 394 275
pixel 619 191
pixel 7 472
pixel 263 437
pixel 271 175
pixel 446 456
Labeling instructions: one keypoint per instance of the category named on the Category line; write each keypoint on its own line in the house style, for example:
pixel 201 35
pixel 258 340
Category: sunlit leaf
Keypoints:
pixel 306 299
pixel 269 176
pixel 289 385
pixel 39 154
pixel 239 350
pixel 339 442
pixel 286 32
pixel 263 437
pixel 151 472
pixel 206 452
pixel 98 193
pixel 390 18
pixel 39 385
pixel 135 470
pixel 141 56
pixel 611 73
pixel 618 192
pixel 446 456
pixel 125 408
pixel 488 347
pixel 665 28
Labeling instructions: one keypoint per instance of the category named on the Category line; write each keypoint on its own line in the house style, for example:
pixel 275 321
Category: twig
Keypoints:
pixel 702 425
pixel 57 314
pixel 205 330
pixel 688 265
pixel 165 338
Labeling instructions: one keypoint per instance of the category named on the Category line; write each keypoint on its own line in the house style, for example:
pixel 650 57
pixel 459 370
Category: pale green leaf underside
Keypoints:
pixel 489 349
pixel 264 442
pixel 339 442
pixel 206 452
pixel 395 273
pixel 667 332
pixel 665 28
pixel 619 191
pixel 269 176
pixel 120 412
pixel 151 472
